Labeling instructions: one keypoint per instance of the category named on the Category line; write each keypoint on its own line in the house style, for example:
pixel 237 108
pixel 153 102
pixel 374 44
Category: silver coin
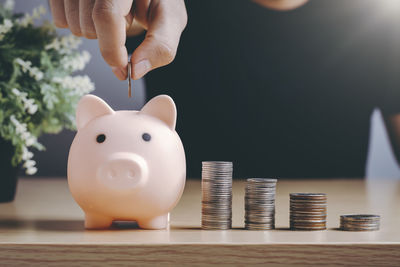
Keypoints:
pixel 308 211
pixel 216 187
pixel 261 180
pixel 260 203
pixel 259 220
pixel 360 217
pixel 307 195
pixel 360 222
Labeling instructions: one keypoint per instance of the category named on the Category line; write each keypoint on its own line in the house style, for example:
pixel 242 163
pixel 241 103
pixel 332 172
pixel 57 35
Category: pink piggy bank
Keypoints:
pixel 126 165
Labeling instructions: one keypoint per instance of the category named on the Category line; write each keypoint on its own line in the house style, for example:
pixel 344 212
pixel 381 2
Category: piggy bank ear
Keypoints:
pixel 89 108
pixel 162 107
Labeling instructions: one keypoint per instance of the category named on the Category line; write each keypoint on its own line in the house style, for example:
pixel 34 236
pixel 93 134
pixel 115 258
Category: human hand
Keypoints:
pixel 109 20
pixel 281 5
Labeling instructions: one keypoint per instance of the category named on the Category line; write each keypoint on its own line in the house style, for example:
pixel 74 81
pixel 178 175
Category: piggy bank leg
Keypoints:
pixel 160 222
pixel 95 221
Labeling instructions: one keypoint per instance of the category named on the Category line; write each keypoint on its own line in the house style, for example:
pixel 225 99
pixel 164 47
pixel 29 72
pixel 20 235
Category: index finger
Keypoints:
pixel 109 21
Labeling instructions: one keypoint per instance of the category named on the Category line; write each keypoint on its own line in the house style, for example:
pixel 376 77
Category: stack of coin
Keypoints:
pixel 260 204
pixel 308 211
pixel 360 222
pixel 216 185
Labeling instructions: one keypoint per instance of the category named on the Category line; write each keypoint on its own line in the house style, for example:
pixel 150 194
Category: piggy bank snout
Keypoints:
pixel 123 171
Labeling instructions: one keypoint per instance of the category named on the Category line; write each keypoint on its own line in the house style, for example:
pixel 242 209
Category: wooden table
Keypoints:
pixel 44 224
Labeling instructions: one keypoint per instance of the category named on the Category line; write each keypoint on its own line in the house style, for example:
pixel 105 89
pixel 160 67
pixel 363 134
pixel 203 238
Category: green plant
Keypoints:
pixel 37 92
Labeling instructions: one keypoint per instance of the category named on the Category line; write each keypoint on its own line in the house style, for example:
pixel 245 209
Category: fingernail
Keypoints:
pixel 119 72
pixel 141 68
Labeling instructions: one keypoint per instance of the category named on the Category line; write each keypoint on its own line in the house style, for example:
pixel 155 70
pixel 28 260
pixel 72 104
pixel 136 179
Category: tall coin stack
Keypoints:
pixel 360 222
pixel 260 204
pixel 308 211
pixel 216 185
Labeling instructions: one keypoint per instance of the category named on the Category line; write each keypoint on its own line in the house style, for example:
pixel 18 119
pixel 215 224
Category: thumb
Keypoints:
pixel 165 25
pixel 152 53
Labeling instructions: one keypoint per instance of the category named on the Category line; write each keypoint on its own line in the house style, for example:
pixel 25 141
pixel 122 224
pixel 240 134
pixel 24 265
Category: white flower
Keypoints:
pixel 64 45
pixel 36 74
pixel 30 141
pixel 20 128
pixel 32 109
pixel 56 79
pixel 77 85
pixel 22 131
pixel 29 163
pixel 71 41
pixel 26 20
pixel 29 104
pixel 7 24
pixel 27 67
pixel 75 62
pixel 31 171
pixel 55 44
pixel 5 27
pixel 9 4
pixel 85 56
pixel 16 92
pixel 49 95
pixel 26 154
pixel 36 14
pixel 25 134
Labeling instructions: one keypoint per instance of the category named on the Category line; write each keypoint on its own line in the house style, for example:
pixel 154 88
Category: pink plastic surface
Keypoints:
pixel 127 177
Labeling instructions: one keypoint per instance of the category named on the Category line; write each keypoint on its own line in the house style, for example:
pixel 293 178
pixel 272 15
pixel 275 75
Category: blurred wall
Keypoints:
pixel 52 162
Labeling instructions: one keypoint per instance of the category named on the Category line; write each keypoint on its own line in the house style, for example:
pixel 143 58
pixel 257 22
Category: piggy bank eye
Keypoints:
pixel 100 138
pixel 146 137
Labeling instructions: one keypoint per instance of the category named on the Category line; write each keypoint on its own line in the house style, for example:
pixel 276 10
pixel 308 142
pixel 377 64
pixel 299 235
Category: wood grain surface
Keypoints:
pixel 195 254
pixel 44 226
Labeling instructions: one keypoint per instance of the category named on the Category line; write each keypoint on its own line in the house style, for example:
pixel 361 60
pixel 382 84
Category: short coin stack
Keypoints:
pixel 308 211
pixel 216 185
pixel 260 204
pixel 359 222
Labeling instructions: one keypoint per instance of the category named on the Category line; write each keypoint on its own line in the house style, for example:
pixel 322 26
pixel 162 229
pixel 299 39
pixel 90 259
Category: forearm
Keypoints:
pixel 282 5
pixel 392 123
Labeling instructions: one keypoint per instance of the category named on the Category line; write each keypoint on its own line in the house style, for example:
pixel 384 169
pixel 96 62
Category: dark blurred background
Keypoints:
pixel 380 160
